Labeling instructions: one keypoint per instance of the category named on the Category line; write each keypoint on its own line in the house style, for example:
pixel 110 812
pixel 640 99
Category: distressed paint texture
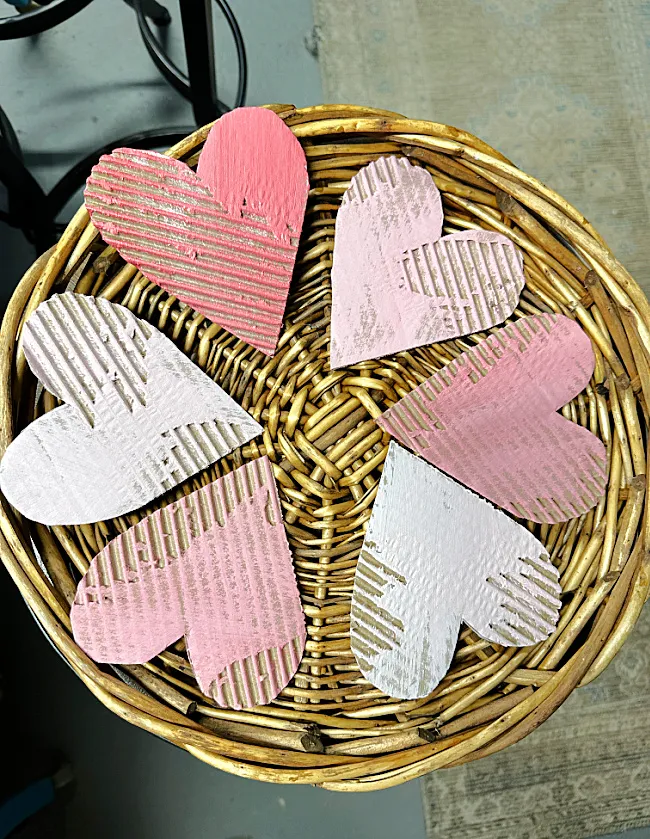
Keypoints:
pixel 215 567
pixel 434 555
pixel 223 239
pixel 396 283
pixel 489 419
pixel 140 416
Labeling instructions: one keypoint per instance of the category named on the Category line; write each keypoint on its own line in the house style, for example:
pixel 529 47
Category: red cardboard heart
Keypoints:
pixel 223 239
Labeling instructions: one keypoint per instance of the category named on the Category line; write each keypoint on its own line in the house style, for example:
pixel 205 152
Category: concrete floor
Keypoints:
pixel 71 90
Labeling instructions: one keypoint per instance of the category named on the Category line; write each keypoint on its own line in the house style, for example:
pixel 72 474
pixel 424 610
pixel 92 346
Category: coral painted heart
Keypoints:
pixel 223 239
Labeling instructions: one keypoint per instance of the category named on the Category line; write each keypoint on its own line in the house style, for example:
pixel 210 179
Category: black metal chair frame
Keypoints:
pixel 29 207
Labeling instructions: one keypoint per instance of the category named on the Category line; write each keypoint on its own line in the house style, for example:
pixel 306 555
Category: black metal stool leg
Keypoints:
pixel 9 135
pixel 199 85
pixel 28 207
pixel 156 12
pixel 196 17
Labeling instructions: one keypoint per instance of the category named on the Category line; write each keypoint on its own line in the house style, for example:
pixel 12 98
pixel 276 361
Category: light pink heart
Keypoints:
pixel 396 284
pixel 223 239
pixel 215 567
pixel 489 420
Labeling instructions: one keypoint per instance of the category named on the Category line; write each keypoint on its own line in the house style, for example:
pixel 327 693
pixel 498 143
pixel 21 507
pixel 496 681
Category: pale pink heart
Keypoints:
pixel 215 567
pixel 396 284
pixel 489 420
pixel 223 239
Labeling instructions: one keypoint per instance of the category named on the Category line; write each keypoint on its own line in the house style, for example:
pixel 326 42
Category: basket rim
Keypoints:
pixel 618 595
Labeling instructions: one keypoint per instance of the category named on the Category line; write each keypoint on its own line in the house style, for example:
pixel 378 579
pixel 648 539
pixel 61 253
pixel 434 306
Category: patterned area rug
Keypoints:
pixel 585 772
pixel 562 87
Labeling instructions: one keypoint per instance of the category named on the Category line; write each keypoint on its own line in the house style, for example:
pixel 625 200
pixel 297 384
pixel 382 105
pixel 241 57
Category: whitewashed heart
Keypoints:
pixel 436 555
pixel 140 416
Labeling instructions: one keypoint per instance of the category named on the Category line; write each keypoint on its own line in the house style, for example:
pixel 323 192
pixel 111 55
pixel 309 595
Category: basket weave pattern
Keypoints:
pixel 330 726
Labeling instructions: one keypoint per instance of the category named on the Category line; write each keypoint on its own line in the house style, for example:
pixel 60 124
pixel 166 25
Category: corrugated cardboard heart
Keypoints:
pixel 435 555
pixel 215 567
pixel 223 239
pixel 489 419
pixel 140 416
pixel 396 283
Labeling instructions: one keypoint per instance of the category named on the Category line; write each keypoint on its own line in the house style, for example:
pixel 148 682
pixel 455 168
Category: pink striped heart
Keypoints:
pixel 223 239
pixel 215 567
pixel 489 419
pixel 396 283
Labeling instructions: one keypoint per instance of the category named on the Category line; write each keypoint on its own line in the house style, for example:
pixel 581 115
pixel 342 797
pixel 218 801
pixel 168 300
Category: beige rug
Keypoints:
pixel 562 87
pixel 585 772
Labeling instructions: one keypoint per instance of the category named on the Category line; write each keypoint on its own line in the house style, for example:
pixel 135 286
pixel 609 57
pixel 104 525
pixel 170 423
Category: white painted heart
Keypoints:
pixel 436 555
pixel 141 417
pixel 396 283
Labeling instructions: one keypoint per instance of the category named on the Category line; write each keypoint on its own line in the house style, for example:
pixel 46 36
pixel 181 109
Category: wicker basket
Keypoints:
pixel 330 727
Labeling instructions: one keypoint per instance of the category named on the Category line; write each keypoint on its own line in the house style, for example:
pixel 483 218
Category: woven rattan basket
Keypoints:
pixel 331 727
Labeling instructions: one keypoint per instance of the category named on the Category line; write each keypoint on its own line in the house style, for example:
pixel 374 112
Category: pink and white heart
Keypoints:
pixel 223 239
pixel 396 284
